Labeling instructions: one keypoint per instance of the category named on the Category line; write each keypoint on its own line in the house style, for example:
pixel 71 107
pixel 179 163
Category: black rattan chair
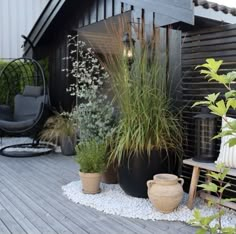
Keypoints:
pixel 25 107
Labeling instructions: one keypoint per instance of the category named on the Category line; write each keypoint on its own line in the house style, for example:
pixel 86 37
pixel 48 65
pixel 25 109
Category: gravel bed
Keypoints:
pixel 112 200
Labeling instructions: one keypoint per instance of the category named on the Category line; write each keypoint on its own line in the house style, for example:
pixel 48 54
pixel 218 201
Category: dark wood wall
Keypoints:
pixel 78 15
pixel 219 43
pixel 73 15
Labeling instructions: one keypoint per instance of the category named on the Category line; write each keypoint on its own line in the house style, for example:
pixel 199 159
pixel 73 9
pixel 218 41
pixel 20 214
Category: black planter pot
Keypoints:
pixel 68 145
pixel 136 170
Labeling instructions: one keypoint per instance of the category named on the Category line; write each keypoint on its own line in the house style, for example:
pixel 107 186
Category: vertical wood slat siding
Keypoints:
pixel 109 8
pixel 93 13
pixel 117 7
pixel 197 46
pixel 101 9
pixel 17 18
pixel 96 13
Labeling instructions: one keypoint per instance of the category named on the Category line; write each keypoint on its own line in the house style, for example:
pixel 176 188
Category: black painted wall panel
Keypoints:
pixel 77 15
pixel 197 46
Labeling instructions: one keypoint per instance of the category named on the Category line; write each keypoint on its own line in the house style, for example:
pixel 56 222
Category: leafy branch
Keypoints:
pixel 205 222
pixel 220 107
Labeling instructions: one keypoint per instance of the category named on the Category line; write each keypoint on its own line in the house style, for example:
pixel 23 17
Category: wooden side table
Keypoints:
pixel 197 166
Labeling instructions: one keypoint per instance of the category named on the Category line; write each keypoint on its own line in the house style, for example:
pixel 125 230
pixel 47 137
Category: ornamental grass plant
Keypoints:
pixel 58 126
pixel 148 121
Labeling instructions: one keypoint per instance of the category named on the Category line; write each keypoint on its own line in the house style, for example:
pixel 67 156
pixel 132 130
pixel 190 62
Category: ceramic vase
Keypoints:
pixel 165 192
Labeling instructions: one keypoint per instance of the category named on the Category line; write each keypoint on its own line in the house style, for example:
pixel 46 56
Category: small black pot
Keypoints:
pixel 68 145
pixel 135 170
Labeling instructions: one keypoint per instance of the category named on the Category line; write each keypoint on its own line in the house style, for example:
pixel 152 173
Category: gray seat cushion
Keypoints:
pixel 26 110
pixel 5 113
pixel 33 91
pixel 16 125
pixel 27 107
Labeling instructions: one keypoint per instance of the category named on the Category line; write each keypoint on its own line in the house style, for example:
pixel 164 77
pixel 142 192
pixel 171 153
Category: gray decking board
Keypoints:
pixel 9 221
pixel 129 225
pixel 18 216
pixel 3 228
pixel 37 187
pixel 28 213
pixel 32 197
pixel 50 209
pixel 101 229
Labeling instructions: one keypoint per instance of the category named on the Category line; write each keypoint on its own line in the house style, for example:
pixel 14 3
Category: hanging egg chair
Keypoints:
pixel 24 106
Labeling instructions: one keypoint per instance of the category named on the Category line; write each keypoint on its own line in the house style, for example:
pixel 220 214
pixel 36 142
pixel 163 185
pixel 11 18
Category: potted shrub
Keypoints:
pixel 94 110
pixel 148 137
pixel 91 157
pixel 61 129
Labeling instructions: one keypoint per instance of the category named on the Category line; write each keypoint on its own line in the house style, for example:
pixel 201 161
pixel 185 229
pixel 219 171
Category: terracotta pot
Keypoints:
pixel 110 175
pixel 90 182
pixel 165 192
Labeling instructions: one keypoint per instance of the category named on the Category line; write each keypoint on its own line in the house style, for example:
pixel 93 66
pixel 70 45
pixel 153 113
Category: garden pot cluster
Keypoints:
pixel 145 139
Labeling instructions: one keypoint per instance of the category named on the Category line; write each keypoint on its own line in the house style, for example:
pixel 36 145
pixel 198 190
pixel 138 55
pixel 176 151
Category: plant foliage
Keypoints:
pixel 206 223
pixel 91 156
pixel 14 79
pixel 147 119
pixel 220 107
pixel 94 110
pixel 58 126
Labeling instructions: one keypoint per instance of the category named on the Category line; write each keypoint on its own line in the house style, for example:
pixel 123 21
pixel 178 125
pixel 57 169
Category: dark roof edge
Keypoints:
pixel 215 6
pixel 44 20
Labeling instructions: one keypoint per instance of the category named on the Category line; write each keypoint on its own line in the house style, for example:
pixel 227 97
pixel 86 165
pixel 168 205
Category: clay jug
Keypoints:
pixel 165 192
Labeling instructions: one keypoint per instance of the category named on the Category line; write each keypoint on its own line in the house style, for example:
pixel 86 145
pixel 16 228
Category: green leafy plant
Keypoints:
pixel 91 156
pixel 147 119
pixel 44 62
pixel 58 126
pixel 12 81
pixel 220 107
pixel 218 187
pixel 15 77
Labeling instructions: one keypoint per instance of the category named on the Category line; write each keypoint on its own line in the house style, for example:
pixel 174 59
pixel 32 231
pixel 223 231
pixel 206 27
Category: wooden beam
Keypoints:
pixel 163 20
pixel 207 197
pixel 176 12
pixel 214 15
pixel 188 4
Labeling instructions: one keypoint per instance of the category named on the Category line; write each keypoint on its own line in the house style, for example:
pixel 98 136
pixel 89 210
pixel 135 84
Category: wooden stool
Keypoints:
pixel 197 166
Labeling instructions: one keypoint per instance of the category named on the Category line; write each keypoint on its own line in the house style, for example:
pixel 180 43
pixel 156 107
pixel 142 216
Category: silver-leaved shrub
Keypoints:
pixel 94 109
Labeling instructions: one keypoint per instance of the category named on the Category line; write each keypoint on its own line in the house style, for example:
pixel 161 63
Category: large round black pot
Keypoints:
pixel 135 170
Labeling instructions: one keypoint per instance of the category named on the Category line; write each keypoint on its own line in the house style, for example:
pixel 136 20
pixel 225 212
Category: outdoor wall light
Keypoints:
pixel 129 44
pixel 205 130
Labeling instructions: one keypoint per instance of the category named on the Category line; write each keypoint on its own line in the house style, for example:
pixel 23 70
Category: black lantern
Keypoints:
pixel 205 130
pixel 128 46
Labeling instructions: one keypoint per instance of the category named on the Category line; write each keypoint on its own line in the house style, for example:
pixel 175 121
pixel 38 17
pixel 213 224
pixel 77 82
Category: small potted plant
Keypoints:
pixel 60 129
pixel 91 157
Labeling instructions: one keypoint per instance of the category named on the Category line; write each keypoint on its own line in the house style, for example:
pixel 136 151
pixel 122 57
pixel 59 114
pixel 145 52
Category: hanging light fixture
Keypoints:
pixel 129 44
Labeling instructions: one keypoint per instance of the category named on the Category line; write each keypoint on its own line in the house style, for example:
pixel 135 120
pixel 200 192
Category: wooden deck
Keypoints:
pixel 31 201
